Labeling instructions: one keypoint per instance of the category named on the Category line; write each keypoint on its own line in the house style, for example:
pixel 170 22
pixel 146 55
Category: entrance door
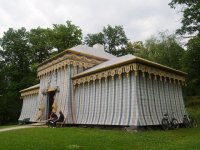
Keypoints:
pixel 50 102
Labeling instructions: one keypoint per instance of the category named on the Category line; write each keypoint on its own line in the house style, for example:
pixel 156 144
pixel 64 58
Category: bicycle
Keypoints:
pixel 189 122
pixel 168 123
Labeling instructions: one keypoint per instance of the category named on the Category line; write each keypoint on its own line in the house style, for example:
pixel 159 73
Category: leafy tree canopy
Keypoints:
pixel 164 49
pixel 191 15
pixel 20 52
pixel 15 72
pixel 66 36
pixel 191 64
pixel 132 48
pixel 40 44
pixel 113 38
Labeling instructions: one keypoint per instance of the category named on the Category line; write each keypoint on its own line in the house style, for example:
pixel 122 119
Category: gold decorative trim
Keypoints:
pixel 67 51
pixel 66 60
pixel 51 89
pixel 135 67
pixel 30 92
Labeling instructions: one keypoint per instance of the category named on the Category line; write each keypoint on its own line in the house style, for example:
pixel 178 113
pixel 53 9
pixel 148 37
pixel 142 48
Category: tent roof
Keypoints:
pixel 111 62
pixel 119 61
pixel 31 88
pixel 97 52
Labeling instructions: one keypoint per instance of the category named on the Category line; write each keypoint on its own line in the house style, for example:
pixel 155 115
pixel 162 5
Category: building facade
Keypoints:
pixel 92 87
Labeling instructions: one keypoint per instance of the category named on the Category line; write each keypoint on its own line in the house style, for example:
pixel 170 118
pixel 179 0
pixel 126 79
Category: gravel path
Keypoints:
pixel 22 127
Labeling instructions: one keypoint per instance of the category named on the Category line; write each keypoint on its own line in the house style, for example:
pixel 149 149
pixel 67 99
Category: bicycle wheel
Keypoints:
pixel 193 123
pixel 165 124
pixel 174 124
pixel 186 123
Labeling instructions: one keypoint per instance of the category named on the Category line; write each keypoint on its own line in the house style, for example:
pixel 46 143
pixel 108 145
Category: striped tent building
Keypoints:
pixel 93 87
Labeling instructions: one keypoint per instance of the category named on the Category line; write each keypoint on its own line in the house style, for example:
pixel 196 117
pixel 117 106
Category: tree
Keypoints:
pixel 163 49
pixel 15 48
pixel 15 72
pixel 191 15
pixel 40 44
pixel 113 38
pixel 92 39
pixel 132 48
pixel 20 52
pixel 66 36
pixel 191 65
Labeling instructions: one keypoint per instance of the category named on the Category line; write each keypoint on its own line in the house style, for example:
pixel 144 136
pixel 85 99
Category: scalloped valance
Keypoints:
pixel 67 59
pixel 30 92
pixel 135 67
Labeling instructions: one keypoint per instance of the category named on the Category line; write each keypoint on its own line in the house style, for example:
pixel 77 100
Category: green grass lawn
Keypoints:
pixel 98 139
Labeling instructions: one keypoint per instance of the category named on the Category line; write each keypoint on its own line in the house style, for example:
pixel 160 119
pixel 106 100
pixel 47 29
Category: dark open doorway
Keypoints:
pixel 50 102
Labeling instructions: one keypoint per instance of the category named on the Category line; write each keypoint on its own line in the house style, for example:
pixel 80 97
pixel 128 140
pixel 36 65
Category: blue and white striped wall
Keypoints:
pixel 131 100
pixel 155 98
pixel 107 102
pixel 29 107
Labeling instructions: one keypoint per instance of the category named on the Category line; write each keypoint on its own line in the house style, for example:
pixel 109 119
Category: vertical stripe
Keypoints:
pixel 104 101
pixel 90 110
pixel 160 100
pixel 168 97
pixel 166 92
pixel 151 101
pixel 141 86
pixel 163 97
pixel 138 100
pixel 62 95
pixel 97 102
pixel 147 103
pixel 100 102
pixel 106 112
pixel 83 106
pixel 122 97
pixel 65 99
pixel 181 100
pixel 126 100
pixel 135 101
pixel 130 113
pixel 156 104
pixel 94 104
pixel 110 100
pixel 79 103
pixel 114 101
pixel 70 93
pixel 173 102
pixel 178 107
pixel 87 106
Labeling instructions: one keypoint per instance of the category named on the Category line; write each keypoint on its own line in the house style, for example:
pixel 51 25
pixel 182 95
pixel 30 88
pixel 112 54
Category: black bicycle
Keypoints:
pixel 168 123
pixel 189 122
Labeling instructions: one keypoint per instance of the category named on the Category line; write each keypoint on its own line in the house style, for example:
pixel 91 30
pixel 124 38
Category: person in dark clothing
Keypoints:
pixel 53 117
pixel 60 119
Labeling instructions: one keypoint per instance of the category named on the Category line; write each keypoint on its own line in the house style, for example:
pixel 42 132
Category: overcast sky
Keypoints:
pixel 140 18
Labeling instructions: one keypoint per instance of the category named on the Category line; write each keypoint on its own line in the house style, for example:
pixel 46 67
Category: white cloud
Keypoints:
pixel 140 19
